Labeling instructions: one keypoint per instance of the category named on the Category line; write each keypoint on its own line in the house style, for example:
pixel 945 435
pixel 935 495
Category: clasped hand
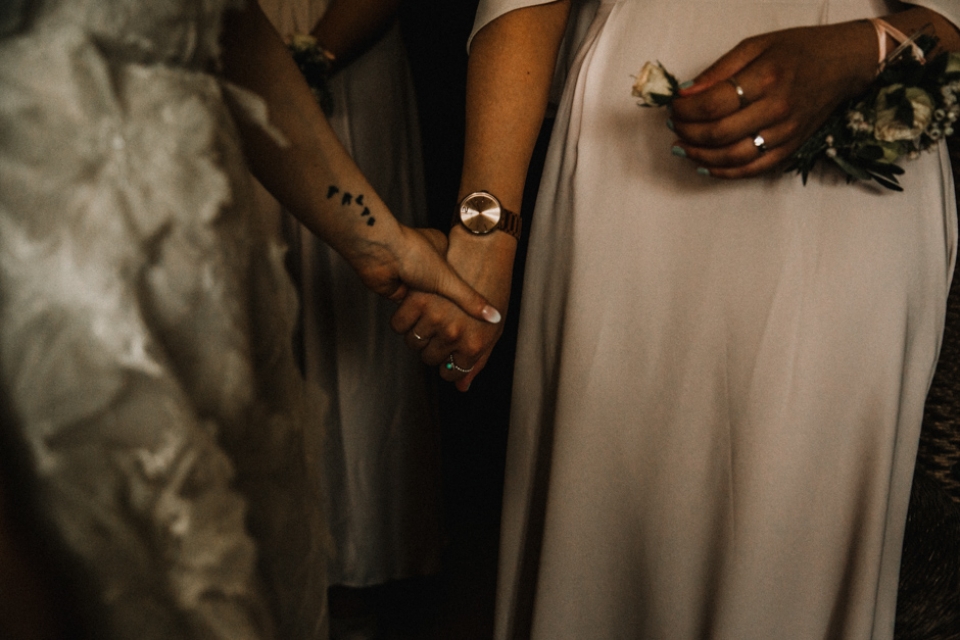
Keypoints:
pixel 790 83
pixel 414 261
pixel 445 336
pixel 755 106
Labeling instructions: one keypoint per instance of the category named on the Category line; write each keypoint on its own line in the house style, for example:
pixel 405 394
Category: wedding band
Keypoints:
pixel 451 366
pixel 760 143
pixel 417 336
pixel 736 87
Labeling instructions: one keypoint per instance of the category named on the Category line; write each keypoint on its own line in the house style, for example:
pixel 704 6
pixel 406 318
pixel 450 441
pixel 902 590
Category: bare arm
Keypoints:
pixel 350 27
pixel 508 82
pixel 315 179
pixel 792 80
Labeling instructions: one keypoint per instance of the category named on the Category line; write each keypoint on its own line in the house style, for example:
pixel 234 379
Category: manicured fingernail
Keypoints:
pixel 678 151
pixel 491 315
pixel 670 124
pixel 686 85
pixel 703 171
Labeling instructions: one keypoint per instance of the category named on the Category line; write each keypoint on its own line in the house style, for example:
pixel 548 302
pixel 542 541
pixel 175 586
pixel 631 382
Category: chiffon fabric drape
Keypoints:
pixel 380 441
pixel 719 384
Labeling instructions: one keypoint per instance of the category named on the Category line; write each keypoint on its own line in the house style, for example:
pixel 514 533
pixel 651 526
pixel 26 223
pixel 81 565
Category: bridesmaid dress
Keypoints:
pixel 719 384
pixel 379 453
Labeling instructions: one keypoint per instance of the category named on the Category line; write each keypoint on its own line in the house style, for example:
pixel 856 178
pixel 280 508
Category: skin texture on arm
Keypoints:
pixel 792 80
pixel 349 27
pixel 511 67
pixel 315 179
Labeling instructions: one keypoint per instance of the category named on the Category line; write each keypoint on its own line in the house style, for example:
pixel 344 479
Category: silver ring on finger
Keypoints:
pixel 418 336
pixel 740 95
pixel 452 366
pixel 759 143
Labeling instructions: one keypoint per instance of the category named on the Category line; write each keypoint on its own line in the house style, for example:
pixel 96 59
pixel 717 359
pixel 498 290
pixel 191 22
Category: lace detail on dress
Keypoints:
pixel 145 327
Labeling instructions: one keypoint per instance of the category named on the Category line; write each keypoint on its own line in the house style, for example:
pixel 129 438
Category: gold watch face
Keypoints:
pixel 480 212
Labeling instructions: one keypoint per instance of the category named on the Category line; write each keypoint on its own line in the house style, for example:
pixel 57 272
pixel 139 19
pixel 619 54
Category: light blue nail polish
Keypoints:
pixel 686 85
pixel 702 171
pixel 679 152
pixel 670 124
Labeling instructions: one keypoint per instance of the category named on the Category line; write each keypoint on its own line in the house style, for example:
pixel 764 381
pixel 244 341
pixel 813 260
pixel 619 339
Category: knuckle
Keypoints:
pixel 779 108
pixel 791 129
pixel 713 111
pixel 452 332
pixel 713 137
pixel 473 346
pixel 769 76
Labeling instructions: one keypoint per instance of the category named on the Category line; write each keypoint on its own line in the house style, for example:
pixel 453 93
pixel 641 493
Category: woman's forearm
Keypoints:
pixel 511 68
pixel 312 176
pixel 510 71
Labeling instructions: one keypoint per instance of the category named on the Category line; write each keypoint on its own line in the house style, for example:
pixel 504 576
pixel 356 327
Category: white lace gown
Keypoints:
pixel 719 385
pixel 380 457
pixel 145 325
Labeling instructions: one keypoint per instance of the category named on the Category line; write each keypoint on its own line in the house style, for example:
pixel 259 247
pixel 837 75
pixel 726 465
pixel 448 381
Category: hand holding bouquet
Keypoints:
pixel 910 106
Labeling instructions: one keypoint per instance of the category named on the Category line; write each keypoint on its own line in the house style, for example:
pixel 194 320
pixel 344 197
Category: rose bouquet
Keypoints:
pixel 911 105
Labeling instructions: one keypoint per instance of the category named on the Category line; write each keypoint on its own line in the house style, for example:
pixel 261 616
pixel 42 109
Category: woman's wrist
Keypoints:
pixel 484 262
pixel 863 55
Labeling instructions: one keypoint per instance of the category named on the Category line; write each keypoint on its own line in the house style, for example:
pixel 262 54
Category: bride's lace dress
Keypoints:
pixel 145 322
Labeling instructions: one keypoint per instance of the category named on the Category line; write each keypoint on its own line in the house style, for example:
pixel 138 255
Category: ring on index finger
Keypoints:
pixel 736 87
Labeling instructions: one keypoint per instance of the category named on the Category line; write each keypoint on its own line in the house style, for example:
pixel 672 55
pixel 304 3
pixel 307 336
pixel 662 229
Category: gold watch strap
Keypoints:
pixel 509 222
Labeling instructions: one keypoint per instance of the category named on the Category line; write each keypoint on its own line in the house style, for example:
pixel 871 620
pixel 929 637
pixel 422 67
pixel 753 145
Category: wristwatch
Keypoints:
pixel 481 213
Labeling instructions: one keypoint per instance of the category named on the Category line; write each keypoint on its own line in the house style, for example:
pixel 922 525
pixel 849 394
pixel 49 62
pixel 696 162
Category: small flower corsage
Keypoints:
pixel 316 65
pixel 911 105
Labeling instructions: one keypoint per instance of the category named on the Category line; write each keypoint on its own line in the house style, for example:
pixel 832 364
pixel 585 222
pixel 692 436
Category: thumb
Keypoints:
pixel 726 66
pixel 429 271
pixel 399 293
pixel 451 286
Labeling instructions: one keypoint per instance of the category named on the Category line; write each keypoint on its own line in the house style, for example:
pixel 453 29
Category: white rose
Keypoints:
pixel 653 86
pixel 888 128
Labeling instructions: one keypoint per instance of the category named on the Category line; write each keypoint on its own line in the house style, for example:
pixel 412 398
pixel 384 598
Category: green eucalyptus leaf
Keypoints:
pixel 889 184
